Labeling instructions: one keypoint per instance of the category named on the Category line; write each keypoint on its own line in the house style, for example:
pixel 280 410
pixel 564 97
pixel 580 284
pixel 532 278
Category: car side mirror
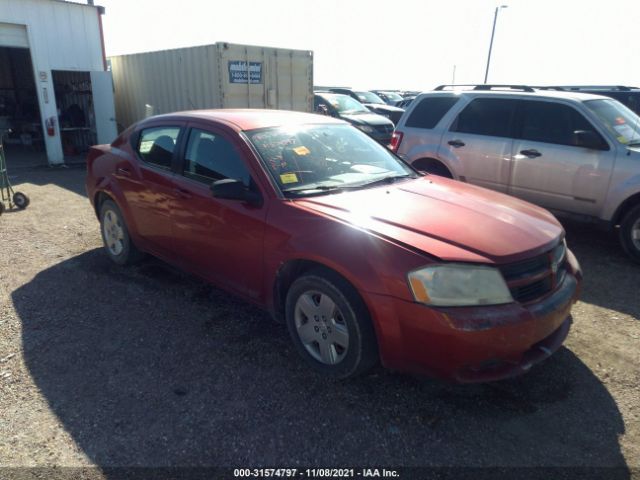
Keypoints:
pixel 588 139
pixel 232 189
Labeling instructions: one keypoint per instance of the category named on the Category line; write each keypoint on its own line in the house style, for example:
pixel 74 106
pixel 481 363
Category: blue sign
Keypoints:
pixel 238 72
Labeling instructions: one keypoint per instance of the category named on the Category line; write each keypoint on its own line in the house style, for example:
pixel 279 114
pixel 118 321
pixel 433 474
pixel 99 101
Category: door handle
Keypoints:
pixel 456 143
pixel 125 172
pixel 531 153
pixel 182 193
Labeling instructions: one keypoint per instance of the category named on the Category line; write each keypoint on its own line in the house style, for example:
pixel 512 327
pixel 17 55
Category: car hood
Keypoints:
pixel 446 219
pixel 383 107
pixel 366 119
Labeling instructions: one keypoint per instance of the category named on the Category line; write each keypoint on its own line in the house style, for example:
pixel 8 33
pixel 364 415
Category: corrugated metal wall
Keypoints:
pixel 198 78
pixel 169 80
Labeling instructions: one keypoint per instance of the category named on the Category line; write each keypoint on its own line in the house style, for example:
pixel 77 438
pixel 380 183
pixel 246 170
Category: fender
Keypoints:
pixel 111 189
pixel 618 196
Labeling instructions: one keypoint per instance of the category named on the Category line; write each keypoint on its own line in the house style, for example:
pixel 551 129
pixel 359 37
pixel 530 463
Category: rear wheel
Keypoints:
pixel 432 167
pixel 115 235
pixel 330 326
pixel 630 233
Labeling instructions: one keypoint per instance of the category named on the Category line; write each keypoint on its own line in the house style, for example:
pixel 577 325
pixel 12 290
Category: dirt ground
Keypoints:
pixel 146 366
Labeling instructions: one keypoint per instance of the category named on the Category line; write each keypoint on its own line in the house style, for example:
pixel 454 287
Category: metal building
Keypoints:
pixel 56 94
pixel 221 75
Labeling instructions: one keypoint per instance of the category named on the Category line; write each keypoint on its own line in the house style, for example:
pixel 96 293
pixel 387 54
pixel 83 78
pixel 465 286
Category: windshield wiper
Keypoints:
pixel 380 181
pixel 300 191
pixel 319 189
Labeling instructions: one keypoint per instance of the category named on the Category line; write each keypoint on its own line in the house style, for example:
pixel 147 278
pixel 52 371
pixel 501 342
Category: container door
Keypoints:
pixel 242 76
pixel 103 106
pixel 262 77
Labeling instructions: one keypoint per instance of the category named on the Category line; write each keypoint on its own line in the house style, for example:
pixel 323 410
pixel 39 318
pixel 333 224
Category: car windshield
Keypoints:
pixel 346 104
pixel 393 96
pixel 369 97
pixel 622 122
pixel 318 159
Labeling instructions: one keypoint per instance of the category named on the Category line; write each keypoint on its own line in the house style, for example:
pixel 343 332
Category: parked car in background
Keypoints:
pixel 405 102
pixel 372 102
pixel 409 93
pixel 391 98
pixel 343 106
pixel 365 259
pixel 629 96
pixel 574 153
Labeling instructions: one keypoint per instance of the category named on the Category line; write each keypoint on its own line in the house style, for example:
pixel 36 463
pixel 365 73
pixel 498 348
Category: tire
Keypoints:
pixel 339 340
pixel 630 233
pixel 20 200
pixel 433 168
pixel 115 235
pixel 1 207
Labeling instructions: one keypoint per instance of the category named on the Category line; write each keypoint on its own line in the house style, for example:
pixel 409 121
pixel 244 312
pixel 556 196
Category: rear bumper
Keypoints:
pixel 475 344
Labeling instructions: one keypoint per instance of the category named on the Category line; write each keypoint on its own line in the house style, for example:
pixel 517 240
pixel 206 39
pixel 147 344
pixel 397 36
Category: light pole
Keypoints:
pixel 493 31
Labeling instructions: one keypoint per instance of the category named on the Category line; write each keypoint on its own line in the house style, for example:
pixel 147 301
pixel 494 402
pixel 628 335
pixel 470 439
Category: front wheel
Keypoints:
pixel 115 235
pixel 330 326
pixel 630 233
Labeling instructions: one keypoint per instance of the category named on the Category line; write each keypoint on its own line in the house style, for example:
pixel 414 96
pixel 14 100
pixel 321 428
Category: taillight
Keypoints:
pixel 396 138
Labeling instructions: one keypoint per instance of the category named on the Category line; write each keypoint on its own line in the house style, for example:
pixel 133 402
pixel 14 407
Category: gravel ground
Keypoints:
pixel 147 366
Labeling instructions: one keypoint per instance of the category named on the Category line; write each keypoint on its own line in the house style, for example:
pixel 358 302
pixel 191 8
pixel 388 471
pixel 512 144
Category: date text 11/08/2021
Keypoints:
pixel 315 472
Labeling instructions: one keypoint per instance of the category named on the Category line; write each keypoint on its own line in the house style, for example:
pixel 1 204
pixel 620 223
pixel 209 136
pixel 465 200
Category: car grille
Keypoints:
pixel 533 278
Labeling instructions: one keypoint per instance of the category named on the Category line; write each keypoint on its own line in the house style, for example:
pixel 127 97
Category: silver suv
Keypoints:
pixel 574 153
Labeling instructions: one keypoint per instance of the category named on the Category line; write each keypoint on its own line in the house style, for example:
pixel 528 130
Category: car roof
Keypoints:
pixel 250 119
pixel 330 94
pixel 555 94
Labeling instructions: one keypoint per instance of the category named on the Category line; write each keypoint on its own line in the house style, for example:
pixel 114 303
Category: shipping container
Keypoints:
pixel 222 75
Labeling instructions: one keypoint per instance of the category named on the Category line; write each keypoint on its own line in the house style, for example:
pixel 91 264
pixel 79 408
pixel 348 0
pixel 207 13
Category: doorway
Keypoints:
pixel 76 116
pixel 20 121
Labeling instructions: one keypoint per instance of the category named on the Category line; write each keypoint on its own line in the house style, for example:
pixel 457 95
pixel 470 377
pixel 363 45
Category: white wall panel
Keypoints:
pixel 61 36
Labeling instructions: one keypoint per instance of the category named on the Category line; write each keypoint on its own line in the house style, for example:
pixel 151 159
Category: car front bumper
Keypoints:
pixel 475 344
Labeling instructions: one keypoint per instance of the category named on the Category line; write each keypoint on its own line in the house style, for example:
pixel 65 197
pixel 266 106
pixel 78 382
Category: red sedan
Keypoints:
pixel 364 258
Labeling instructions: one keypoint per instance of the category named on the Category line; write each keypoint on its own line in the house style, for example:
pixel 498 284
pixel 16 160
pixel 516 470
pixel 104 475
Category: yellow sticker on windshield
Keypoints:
pixel 288 178
pixel 302 150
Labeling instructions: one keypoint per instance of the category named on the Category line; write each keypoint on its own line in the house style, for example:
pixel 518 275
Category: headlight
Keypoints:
pixel 365 128
pixel 558 255
pixel 457 285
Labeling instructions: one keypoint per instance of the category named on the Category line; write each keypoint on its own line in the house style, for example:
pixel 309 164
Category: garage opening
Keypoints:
pixel 76 116
pixel 20 122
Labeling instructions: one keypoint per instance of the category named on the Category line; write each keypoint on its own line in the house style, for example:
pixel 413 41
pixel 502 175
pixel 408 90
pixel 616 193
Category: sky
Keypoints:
pixel 403 44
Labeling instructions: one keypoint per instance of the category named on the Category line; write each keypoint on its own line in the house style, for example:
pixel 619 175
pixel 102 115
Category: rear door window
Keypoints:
pixel 552 123
pixel 157 145
pixel 486 116
pixel 430 111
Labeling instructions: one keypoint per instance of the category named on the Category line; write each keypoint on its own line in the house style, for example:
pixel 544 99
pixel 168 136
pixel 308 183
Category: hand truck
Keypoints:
pixel 7 194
